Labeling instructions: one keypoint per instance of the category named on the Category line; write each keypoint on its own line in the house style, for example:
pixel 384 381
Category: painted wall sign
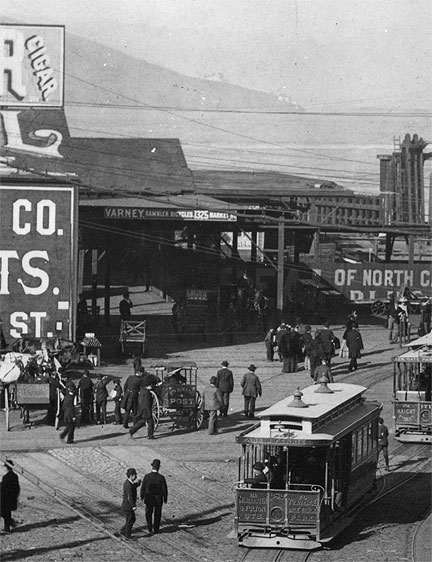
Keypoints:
pixel 31 65
pixel 368 282
pixel 37 261
pixel 138 213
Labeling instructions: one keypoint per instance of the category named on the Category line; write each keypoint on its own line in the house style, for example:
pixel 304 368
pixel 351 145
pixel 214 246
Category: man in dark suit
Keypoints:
pixel 85 389
pixel 143 415
pixel 130 396
pixel 128 506
pixel 326 337
pixel 69 415
pixel 225 383
pixel 9 492
pixel 154 493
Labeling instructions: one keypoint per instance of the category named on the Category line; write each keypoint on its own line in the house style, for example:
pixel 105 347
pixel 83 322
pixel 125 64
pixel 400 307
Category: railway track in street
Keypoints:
pixel 96 497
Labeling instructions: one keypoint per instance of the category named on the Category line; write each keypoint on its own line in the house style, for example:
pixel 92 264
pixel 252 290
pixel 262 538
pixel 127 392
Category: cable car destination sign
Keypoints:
pixel 31 65
pixel 37 260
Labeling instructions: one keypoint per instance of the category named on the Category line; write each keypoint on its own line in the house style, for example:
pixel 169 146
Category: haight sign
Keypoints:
pixel 38 241
pixel 31 65
pixel 368 282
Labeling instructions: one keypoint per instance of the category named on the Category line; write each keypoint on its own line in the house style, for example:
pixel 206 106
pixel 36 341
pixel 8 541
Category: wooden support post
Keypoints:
pixel 94 283
pixel 107 296
pixel 280 265
pixel 6 389
pixel 410 249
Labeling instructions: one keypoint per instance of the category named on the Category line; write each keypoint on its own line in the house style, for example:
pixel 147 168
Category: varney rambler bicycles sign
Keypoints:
pixel 138 213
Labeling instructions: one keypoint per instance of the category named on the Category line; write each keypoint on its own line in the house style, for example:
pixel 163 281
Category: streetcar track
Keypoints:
pixel 98 518
pixel 415 535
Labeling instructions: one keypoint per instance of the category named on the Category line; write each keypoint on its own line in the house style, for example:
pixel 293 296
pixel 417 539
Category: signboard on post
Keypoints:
pixel 38 240
pixel 31 66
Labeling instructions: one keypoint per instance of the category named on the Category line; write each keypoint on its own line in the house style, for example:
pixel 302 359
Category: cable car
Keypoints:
pixel 319 451
pixel 412 406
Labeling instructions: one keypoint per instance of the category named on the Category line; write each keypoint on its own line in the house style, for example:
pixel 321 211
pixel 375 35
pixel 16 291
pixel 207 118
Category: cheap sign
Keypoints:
pixel 31 65
pixel 37 260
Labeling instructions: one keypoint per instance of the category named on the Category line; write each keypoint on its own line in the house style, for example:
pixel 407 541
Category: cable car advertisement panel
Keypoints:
pixel 260 506
pixel 31 65
pixel 38 240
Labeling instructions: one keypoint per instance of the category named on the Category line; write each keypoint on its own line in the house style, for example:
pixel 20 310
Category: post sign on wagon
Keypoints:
pixel 38 233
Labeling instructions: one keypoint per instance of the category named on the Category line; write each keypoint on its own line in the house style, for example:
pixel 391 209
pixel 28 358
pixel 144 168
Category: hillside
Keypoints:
pixel 98 75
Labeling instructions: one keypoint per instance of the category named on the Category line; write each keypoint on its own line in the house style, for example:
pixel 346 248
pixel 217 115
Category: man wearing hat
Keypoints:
pixel 251 390
pixel 144 414
pixel 154 493
pixel 130 397
pixel 128 506
pixel 225 383
pixel 125 307
pixel 9 492
pixel 259 479
pixel 211 403
pixel 85 389
pixel 69 415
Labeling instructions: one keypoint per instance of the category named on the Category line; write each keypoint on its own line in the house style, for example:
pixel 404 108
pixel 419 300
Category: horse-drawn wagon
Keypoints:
pixel 176 396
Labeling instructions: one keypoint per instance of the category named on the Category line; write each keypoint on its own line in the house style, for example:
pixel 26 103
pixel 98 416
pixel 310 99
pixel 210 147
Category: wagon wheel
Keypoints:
pixel 379 308
pixel 196 416
pixel 156 409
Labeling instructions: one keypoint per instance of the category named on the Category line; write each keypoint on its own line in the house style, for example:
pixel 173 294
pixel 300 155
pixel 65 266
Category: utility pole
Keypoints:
pixel 280 264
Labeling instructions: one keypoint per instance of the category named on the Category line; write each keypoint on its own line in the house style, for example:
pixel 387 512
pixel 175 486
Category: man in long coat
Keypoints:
pixel 154 493
pixel 211 403
pixel 9 492
pixel 354 344
pixel 85 389
pixel 130 396
pixel 251 390
pixel 69 415
pixel 326 337
pixel 225 383
pixel 143 414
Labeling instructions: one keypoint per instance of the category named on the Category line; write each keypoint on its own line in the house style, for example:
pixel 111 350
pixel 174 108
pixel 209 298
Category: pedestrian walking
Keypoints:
pixel 117 395
pixel 306 340
pixel 280 332
pixel 69 416
pixel 354 344
pixel 383 434
pixel 323 370
pixel 85 391
pixel 125 307
pixel 393 320
pixel 251 386
pixel 128 506
pixel 101 398
pixel 326 337
pixel 9 493
pixel 425 317
pixel 225 383
pixel 154 493
pixel 211 403
pixel 270 342
pixel 143 415
pixel 130 396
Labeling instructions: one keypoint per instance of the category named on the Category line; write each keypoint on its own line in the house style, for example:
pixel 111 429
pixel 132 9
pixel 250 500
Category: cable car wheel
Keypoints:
pixel 156 409
pixel 196 416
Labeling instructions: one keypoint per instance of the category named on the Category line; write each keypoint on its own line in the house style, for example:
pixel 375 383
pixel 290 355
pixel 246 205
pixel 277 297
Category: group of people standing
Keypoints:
pixel 294 344
pixel 216 395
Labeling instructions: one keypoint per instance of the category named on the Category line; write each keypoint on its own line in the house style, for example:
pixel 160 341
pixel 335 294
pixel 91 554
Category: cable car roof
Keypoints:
pixel 422 355
pixel 324 418
pixel 318 404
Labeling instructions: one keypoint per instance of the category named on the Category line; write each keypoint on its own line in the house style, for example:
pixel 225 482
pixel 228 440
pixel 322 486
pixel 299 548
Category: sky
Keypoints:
pixel 367 53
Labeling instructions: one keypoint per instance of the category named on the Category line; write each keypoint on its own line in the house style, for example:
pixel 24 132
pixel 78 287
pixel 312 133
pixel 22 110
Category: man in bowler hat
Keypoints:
pixel 128 506
pixel 154 493
pixel 225 383
pixel 9 493
pixel 251 390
